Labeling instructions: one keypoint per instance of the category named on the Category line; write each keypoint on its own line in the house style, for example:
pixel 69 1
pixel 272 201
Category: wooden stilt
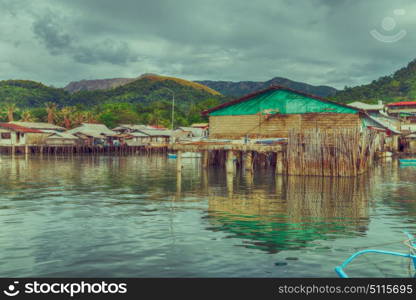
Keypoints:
pixel 229 164
pixel 179 161
pixel 248 161
pixel 205 158
pixel 279 163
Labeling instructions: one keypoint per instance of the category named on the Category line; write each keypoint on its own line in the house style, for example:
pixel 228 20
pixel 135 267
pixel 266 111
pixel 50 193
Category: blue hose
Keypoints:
pixel 340 269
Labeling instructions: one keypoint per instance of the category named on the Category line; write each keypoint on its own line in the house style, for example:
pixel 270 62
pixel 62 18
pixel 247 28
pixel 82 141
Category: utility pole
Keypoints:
pixel 173 107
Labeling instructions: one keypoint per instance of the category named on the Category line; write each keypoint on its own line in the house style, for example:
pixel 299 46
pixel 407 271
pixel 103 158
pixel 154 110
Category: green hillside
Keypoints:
pixel 148 89
pixel 25 93
pixel 399 86
pixel 145 100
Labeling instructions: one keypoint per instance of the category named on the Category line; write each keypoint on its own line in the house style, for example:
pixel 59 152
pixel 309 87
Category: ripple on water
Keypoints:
pixel 129 216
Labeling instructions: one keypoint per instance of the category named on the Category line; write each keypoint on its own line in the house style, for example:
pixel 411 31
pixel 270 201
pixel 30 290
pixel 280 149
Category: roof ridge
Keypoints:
pixel 271 88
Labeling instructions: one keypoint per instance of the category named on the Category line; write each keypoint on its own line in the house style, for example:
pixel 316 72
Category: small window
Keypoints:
pixel 6 135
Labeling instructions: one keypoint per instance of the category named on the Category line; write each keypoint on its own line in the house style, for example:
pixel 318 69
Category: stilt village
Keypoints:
pixel 291 131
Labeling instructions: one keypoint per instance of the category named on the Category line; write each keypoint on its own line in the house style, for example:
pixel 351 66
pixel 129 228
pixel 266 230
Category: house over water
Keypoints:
pixel 274 111
pixel 92 133
pixel 402 109
pixel 16 135
pixel 39 125
pixel 373 109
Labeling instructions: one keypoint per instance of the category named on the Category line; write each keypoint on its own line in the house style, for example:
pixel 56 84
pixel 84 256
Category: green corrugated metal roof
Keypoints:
pixel 284 102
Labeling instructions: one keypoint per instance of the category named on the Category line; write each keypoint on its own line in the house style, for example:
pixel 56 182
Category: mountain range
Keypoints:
pixel 149 88
pixel 226 88
pixel 241 88
pixel 144 90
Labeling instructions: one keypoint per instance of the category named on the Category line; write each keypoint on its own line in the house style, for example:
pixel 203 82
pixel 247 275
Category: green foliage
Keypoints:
pixel 397 87
pixel 145 101
pixel 114 114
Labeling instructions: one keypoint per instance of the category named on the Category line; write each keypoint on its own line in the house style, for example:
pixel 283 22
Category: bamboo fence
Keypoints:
pixel 341 152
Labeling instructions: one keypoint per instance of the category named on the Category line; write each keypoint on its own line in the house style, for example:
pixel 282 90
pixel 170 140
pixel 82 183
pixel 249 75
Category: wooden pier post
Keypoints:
pixel 248 176
pixel 229 163
pixel 230 183
pixel 204 181
pixel 179 161
pixel 248 161
pixel 178 185
pixel 205 158
pixel 279 163
pixel 281 184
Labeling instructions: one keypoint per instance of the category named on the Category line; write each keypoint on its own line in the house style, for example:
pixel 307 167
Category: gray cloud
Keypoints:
pixel 51 34
pixel 316 41
pixel 49 31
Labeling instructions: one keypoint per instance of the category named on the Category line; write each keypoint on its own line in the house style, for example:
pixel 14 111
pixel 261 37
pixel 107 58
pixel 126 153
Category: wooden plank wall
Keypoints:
pixel 258 126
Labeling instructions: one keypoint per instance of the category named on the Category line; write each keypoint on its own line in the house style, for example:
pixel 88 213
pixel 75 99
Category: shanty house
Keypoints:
pixel 194 132
pixel 93 134
pixel 127 128
pixel 274 111
pixel 403 108
pixel 16 135
pixel 62 138
pixel 39 125
pixel 158 136
pixel 372 109
pixel 203 126
pixel 406 112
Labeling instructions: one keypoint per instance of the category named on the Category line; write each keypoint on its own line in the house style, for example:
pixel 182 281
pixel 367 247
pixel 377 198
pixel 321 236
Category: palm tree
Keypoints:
pixel 10 109
pixel 51 110
pixel 77 118
pixel 66 114
pixel 26 116
pixel 90 117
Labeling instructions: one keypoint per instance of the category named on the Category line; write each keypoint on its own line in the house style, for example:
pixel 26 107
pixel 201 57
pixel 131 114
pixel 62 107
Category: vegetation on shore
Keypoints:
pixel 399 86
pixel 146 100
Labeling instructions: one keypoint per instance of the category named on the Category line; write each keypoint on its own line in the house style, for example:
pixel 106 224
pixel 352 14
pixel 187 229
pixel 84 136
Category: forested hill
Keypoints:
pixel 144 90
pixel 238 89
pixel 26 93
pixel 399 86
pixel 148 89
pixel 146 100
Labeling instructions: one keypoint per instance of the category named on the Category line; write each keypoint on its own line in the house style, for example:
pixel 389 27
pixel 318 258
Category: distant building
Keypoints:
pixel 402 109
pixel 194 131
pixel 16 135
pixel 92 133
pixel 143 134
pixel 127 128
pixel 406 112
pixel 369 108
pixel 61 138
pixel 158 136
pixel 137 139
pixel 39 125
pixel 200 125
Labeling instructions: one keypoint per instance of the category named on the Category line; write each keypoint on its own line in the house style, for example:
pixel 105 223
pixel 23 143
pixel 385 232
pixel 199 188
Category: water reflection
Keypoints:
pixel 136 216
pixel 293 211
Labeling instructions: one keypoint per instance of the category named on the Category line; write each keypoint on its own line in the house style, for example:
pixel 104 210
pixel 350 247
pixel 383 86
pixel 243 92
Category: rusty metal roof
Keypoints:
pixel 19 128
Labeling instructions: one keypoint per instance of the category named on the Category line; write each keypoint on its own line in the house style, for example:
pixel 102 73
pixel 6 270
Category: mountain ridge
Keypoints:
pixel 241 88
pixel 227 88
pixel 400 85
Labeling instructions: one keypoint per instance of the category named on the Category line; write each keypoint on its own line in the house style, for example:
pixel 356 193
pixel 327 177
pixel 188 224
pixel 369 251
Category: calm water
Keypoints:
pixel 132 217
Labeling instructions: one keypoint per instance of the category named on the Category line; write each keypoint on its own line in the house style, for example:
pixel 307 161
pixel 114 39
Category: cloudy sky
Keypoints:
pixel 330 42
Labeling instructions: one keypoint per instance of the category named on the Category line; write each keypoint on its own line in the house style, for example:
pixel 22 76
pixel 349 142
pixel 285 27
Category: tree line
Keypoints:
pixel 158 113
